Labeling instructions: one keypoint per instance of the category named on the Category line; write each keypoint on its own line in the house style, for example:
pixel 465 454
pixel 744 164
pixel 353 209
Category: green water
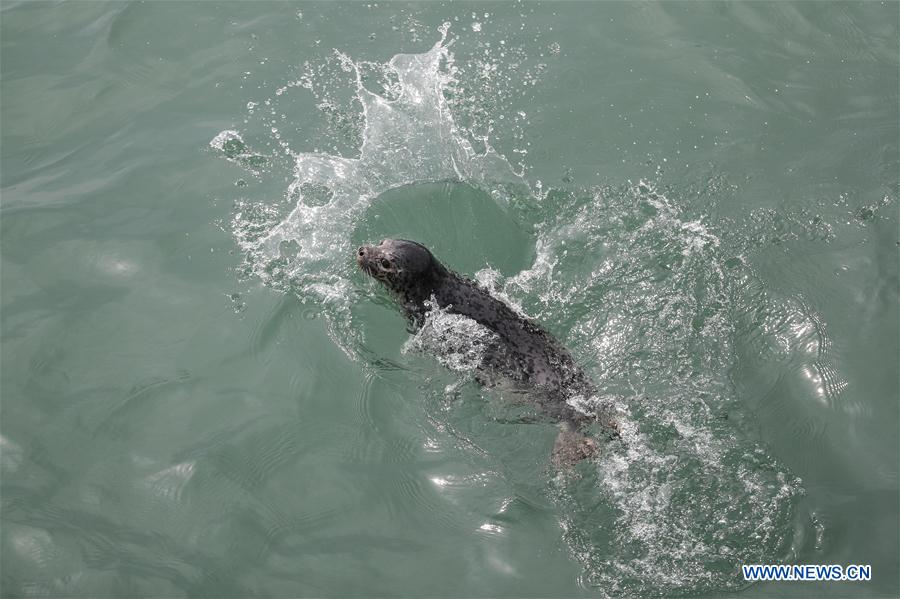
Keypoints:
pixel 202 397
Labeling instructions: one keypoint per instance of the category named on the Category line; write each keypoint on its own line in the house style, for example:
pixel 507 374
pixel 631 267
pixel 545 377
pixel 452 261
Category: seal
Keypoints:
pixel 521 352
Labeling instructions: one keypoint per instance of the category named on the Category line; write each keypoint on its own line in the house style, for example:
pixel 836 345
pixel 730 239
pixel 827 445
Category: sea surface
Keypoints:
pixel 203 397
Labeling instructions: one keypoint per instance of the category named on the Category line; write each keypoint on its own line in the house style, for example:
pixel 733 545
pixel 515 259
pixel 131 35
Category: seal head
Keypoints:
pixel 406 268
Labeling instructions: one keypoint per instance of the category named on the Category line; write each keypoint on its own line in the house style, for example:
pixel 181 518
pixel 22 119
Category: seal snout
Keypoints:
pixel 367 257
pixel 362 256
pixel 366 252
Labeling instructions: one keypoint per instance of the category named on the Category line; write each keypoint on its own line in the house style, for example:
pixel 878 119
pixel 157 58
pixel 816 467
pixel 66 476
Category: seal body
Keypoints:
pixel 523 352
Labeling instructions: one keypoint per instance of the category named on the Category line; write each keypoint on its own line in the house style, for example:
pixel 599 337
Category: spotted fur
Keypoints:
pixel 523 352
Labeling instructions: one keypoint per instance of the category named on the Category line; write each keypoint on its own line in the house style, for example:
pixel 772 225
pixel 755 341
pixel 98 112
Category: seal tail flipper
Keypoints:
pixel 571 447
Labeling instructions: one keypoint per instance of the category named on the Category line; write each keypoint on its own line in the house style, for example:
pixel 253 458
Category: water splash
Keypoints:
pixel 409 136
pixel 458 342
pixel 689 494
pixel 649 298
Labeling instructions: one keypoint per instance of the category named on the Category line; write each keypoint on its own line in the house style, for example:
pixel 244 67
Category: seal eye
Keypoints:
pixel 385 263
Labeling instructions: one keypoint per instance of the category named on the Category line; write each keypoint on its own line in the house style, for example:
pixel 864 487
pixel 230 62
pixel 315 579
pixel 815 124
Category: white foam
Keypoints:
pixel 658 326
pixel 218 142
pixel 457 341
pixel 408 137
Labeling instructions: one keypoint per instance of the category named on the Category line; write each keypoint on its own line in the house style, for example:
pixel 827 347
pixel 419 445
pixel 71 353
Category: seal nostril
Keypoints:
pixel 362 251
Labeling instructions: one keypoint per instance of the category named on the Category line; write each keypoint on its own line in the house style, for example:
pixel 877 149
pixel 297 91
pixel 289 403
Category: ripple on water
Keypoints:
pixel 38 563
pixel 112 415
pixel 267 330
pixel 381 434
pixel 394 451
pixel 660 301
pixel 169 483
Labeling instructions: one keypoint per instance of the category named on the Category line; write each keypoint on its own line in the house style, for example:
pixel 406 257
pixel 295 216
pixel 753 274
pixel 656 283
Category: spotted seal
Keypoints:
pixel 521 352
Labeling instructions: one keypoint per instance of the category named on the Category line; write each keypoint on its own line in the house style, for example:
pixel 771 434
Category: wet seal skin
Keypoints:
pixel 523 353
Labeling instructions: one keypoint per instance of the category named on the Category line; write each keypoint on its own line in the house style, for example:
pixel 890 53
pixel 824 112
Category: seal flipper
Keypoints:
pixel 571 447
